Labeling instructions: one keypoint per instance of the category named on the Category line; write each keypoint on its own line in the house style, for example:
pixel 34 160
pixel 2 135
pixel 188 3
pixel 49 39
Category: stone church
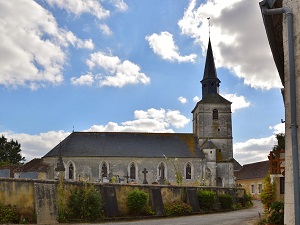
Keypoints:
pixel 204 157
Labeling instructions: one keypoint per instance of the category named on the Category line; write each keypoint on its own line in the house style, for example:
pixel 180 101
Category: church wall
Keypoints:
pixel 225 171
pixel 88 168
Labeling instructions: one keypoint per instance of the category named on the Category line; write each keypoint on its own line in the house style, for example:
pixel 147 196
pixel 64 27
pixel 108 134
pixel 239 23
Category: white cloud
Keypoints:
pixel 105 29
pixel 238 102
pixel 116 73
pixel 182 100
pixel 151 120
pixel 238 38
pixel 164 46
pixel 196 99
pixel 256 149
pixel 79 7
pixel 36 146
pixel 120 5
pixel 87 79
pixel 32 48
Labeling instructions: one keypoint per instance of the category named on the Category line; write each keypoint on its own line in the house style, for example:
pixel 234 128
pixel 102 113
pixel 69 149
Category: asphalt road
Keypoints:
pixel 239 217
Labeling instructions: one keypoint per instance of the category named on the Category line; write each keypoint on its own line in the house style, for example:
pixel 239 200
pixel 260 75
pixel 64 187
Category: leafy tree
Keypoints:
pixel 281 142
pixel 10 152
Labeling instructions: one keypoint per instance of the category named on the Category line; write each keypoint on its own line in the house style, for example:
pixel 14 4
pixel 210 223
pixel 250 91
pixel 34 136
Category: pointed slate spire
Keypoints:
pixel 210 81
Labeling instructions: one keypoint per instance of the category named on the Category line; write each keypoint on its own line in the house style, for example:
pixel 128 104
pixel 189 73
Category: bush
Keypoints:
pixel 85 204
pixel 137 201
pixel 177 208
pixel 267 194
pixel 275 214
pixel 248 200
pixel 207 199
pixel 225 201
pixel 9 214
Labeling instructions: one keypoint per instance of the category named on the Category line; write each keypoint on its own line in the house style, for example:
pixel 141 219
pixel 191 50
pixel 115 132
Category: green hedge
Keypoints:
pixel 177 208
pixel 137 201
pixel 225 201
pixel 207 199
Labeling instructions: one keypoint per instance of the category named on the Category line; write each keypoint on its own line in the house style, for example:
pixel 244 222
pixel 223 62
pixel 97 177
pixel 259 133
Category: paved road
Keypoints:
pixel 240 217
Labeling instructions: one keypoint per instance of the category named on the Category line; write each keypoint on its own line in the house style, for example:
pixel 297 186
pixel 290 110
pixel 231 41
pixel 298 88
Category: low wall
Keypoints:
pixel 25 194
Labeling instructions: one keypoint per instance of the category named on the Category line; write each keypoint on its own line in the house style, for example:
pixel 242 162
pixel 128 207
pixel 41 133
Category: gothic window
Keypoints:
pixel 212 83
pixel 161 171
pixel 215 114
pixel 188 171
pixel 104 170
pixel 132 171
pixel 71 171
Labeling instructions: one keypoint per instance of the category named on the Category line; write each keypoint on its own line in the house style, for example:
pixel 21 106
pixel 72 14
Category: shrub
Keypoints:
pixel 85 204
pixel 207 199
pixel 9 214
pixel 137 201
pixel 267 194
pixel 177 208
pixel 248 200
pixel 275 214
pixel 225 201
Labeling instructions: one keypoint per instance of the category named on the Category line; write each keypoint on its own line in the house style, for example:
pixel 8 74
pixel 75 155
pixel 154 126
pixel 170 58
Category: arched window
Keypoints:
pixel 161 171
pixel 215 114
pixel 132 171
pixel 104 170
pixel 71 171
pixel 188 171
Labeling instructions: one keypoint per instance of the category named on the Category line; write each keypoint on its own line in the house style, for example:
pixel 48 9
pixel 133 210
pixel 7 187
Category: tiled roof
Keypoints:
pixel 122 144
pixel 253 170
pixel 35 165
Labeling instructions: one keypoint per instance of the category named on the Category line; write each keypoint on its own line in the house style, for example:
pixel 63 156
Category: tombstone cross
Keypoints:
pixel 127 176
pixel 145 174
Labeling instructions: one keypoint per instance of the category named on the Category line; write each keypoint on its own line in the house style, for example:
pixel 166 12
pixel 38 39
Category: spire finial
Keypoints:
pixel 208 18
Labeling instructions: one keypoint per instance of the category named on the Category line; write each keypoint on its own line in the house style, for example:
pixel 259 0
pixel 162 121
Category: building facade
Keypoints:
pixel 204 157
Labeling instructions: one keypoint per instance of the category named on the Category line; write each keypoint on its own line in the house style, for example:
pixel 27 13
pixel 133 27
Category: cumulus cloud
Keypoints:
pixel 163 45
pixel 79 7
pixel 256 149
pixel 238 102
pixel 36 146
pixel 244 51
pixel 196 99
pixel 105 29
pixel 115 73
pixel 151 120
pixel 182 100
pixel 32 48
pixel 120 5
pixel 87 79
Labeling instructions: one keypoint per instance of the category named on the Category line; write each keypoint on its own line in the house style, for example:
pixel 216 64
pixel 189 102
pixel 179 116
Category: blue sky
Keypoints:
pixel 130 65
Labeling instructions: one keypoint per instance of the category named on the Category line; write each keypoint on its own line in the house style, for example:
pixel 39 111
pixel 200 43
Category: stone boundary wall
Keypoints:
pixel 24 194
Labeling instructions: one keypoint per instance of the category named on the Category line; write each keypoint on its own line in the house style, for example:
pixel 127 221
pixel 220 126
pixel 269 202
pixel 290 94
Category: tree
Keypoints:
pixel 10 152
pixel 281 142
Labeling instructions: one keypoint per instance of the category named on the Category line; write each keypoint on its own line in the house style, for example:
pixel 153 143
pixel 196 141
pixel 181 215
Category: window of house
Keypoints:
pixel 188 171
pixel 259 188
pixel 161 171
pixel 215 114
pixel 281 185
pixel 71 171
pixel 104 170
pixel 252 189
pixel 132 171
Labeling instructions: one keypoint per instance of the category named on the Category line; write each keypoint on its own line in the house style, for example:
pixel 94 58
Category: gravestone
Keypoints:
pixel 157 202
pixel 232 193
pixel 45 203
pixel 110 201
pixel 145 176
pixel 193 199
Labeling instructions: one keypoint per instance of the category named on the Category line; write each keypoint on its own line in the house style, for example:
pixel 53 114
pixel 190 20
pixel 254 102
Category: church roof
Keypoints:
pixel 210 68
pixel 208 144
pixel 123 144
pixel 212 99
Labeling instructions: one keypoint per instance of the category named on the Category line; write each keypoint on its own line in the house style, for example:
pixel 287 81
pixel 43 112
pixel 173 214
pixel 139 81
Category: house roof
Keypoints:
pixel 273 26
pixel 122 144
pixel 35 165
pixel 253 170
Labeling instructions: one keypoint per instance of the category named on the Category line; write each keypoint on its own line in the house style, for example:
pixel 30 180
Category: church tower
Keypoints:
pixel 212 124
